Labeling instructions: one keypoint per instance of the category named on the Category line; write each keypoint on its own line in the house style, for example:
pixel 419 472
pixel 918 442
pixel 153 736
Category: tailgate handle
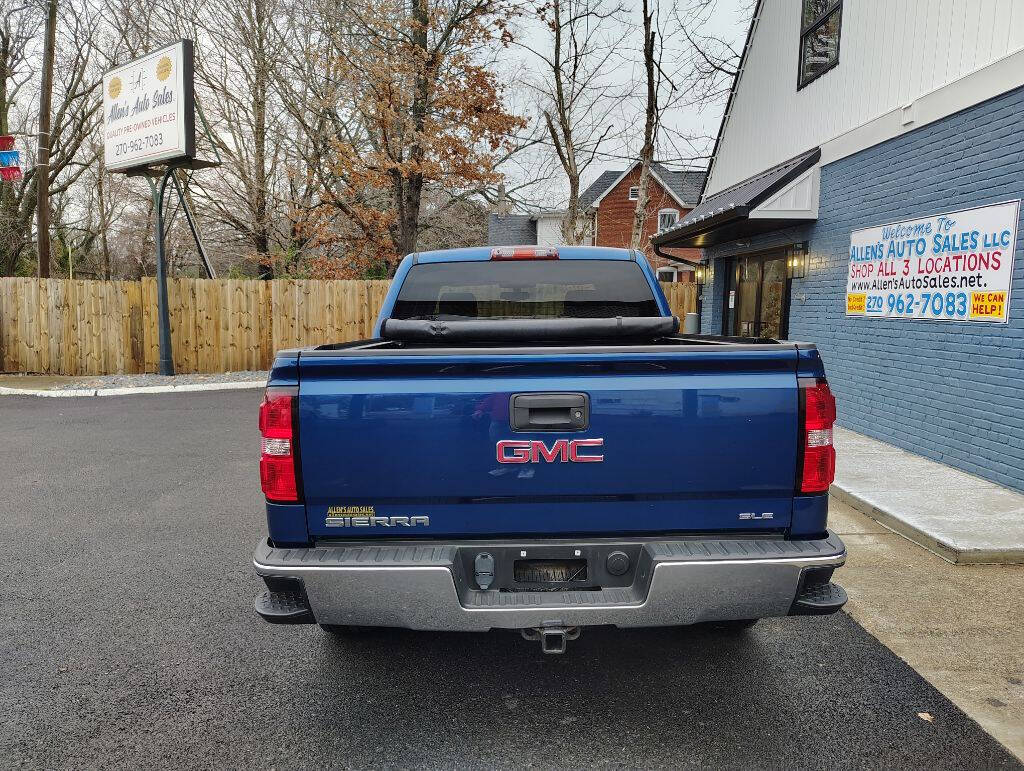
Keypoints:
pixel 550 412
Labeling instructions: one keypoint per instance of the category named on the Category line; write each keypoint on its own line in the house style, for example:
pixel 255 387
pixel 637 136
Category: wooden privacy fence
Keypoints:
pixel 57 326
pixel 63 327
pixel 682 299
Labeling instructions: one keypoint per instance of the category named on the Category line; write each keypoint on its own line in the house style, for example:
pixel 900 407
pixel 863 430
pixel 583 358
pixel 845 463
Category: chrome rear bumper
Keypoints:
pixel 425 586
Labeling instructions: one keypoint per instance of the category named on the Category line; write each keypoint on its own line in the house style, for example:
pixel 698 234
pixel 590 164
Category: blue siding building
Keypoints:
pixel 780 245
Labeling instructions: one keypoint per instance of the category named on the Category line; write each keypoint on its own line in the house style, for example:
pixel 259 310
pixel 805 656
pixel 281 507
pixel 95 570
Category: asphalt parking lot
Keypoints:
pixel 127 639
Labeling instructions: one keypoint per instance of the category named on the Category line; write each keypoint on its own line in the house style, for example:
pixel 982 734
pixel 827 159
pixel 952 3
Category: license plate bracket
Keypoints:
pixel 550 571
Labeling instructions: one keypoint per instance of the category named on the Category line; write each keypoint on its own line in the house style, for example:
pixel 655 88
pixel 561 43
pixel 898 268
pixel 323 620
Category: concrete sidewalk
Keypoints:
pixel 960 517
pixel 958 626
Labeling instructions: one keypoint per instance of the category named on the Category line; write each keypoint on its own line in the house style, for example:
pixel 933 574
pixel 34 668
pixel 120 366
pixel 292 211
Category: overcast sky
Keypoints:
pixel 729 21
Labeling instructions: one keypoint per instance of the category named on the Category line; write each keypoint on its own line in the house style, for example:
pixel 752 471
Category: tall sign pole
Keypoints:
pixel 149 130
pixel 43 151
pixel 166 361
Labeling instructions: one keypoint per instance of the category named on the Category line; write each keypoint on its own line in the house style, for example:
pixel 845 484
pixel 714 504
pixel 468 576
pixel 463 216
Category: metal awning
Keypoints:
pixel 730 214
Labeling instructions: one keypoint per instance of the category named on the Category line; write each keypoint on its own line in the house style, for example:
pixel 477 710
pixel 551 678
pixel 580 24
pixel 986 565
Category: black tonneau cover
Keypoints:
pixel 495 330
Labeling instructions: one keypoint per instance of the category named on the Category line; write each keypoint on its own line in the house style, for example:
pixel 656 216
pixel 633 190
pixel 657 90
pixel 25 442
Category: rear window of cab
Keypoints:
pixel 525 289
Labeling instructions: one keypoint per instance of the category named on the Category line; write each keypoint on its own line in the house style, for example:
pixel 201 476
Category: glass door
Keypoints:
pixel 748 280
pixel 773 312
pixel 758 297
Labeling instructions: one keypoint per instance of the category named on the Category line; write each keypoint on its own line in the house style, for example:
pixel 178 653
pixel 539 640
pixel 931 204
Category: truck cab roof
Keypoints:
pixel 483 253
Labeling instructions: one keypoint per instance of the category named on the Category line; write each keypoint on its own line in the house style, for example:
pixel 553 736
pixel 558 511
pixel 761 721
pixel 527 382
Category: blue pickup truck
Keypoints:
pixel 529 443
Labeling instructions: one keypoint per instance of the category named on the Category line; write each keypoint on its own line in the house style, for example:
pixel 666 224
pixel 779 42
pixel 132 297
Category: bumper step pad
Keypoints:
pixel 284 608
pixel 819 600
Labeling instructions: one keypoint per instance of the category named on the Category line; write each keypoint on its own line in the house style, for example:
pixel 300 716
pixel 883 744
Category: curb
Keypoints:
pixel 58 393
pixel 892 521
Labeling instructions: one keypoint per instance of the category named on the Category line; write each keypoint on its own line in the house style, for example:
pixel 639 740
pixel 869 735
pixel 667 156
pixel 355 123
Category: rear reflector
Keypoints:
pixel 524 253
pixel 278 474
pixel 818 414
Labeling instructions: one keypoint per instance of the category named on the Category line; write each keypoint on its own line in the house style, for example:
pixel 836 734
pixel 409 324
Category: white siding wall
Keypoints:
pixel 549 231
pixel 890 53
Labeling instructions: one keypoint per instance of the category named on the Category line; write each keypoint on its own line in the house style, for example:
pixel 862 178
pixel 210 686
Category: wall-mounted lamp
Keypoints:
pixel 704 273
pixel 796 262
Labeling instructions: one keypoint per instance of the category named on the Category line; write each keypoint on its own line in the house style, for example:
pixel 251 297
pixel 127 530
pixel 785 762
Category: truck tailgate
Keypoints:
pixel 692 439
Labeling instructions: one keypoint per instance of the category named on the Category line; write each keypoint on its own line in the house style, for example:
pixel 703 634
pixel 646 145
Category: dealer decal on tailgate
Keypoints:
pixel 366 516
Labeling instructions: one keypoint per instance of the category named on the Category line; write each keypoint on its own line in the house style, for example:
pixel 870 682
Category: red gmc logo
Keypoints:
pixel 534 451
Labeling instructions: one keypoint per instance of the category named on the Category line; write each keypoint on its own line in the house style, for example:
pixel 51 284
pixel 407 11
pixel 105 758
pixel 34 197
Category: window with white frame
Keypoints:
pixel 667 218
pixel 667 275
pixel 820 21
pixel 634 193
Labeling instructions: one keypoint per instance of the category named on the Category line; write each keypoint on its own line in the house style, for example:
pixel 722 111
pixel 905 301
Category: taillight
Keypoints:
pixel 524 253
pixel 278 474
pixel 818 414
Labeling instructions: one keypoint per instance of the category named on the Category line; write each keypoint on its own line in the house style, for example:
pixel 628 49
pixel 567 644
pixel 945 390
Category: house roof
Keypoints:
pixel 511 230
pixel 600 186
pixel 725 214
pixel 683 186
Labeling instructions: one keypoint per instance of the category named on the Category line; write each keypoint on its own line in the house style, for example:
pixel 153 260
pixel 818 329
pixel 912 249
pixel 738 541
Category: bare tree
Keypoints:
pixel 75 116
pixel 699 76
pixel 349 132
pixel 43 142
pixel 18 27
pixel 238 52
pixel 652 119
pixel 576 93
pixel 712 61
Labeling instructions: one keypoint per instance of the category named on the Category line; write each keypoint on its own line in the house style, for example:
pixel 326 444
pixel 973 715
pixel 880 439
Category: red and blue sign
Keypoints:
pixel 10 160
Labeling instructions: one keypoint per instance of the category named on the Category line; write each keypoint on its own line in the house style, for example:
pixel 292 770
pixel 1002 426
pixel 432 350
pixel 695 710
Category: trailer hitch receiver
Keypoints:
pixel 553 638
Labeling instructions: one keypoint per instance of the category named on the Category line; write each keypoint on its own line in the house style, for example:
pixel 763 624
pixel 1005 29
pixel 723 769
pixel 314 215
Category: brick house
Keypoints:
pixel 611 201
pixel 609 204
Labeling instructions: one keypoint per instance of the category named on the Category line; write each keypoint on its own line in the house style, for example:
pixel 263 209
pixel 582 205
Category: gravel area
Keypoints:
pixel 134 381
pixel 101 382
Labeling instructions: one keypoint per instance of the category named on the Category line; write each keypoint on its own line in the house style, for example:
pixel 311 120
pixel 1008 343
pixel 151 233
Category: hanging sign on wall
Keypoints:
pixel 949 267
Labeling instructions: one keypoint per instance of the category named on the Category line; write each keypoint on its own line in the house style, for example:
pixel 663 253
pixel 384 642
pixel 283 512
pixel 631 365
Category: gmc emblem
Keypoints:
pixel 535 451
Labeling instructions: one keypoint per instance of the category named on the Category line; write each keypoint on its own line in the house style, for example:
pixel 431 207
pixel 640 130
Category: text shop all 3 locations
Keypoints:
pixel 949 267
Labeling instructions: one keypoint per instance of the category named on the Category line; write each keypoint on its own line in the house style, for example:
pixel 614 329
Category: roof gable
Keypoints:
pixel 683 186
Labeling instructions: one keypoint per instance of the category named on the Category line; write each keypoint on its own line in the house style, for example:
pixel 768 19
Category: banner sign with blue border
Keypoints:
pixel 949 267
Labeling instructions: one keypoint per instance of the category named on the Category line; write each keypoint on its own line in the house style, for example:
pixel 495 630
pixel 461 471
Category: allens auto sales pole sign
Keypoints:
pixel 149 109
pixel 950 267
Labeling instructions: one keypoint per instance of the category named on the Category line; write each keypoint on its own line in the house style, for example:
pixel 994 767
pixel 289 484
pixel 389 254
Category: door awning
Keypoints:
pixel 782 196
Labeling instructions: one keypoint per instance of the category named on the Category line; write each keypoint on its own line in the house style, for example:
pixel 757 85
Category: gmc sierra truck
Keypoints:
pixel 529 443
